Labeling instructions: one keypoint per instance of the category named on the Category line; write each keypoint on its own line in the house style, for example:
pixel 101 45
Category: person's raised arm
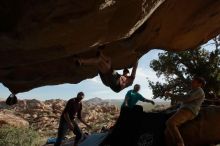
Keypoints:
pixel 134 69
pixel 133 74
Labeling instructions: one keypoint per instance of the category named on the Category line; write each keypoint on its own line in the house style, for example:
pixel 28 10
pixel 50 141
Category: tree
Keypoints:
pixel 178 68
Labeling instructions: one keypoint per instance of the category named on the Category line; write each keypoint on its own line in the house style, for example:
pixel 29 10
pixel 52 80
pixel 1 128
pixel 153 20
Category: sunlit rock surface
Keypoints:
pixel 7 117
pixel 41 39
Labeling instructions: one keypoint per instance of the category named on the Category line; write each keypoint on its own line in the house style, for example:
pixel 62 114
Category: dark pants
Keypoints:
pixel 63 127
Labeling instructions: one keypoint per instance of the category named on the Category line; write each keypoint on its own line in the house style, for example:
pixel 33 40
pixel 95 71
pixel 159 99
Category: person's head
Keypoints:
pixel 198 82
pixel 125 71
pixel 80 96
pixel 137 87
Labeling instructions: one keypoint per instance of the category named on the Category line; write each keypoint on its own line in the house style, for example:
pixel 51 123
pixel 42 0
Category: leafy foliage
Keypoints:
pixel 178 68
pixel 13 136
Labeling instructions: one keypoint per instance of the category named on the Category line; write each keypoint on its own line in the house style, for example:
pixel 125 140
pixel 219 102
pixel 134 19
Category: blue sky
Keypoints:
pixel 93 87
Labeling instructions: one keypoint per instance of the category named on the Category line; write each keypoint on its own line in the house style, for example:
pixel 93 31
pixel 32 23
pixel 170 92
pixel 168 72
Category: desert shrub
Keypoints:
pixel 13 136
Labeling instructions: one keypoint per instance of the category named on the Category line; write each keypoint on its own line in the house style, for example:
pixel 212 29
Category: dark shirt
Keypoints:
pixel 73 108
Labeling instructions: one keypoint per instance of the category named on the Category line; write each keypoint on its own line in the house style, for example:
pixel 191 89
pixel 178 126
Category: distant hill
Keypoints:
pixel 95 100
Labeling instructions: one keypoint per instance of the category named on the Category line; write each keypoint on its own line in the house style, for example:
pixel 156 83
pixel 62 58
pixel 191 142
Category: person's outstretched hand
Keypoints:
pixel 152 102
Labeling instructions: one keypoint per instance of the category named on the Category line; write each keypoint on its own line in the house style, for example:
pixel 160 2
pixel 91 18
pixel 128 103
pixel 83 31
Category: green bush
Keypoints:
pixel 12 136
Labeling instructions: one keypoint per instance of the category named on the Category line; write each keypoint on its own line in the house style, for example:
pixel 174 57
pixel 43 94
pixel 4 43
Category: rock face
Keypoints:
pixel 135 127
pixel 44 116
pixel 39 40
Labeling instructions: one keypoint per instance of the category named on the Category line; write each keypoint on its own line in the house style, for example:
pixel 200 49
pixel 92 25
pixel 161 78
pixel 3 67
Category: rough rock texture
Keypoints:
pixel 40 39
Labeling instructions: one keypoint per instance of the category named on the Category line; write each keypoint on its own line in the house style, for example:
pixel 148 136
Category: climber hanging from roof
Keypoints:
pixel 110 77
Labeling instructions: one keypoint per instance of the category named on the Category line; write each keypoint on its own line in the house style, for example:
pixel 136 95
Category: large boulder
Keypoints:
pixel 137 128
pixel 9 118
pixel 41 39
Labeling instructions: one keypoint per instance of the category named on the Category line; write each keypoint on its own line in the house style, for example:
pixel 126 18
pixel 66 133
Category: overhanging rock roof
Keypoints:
pixel 39 39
